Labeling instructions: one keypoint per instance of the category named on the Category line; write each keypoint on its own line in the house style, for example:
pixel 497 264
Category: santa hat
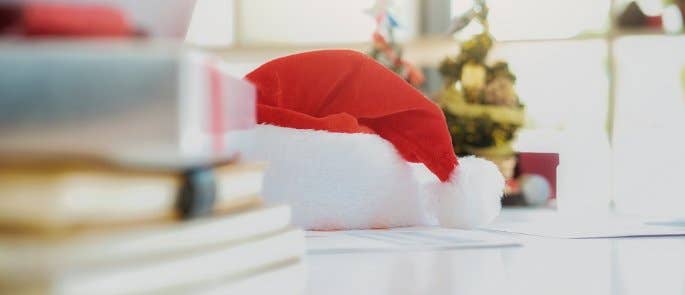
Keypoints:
pixel 343 92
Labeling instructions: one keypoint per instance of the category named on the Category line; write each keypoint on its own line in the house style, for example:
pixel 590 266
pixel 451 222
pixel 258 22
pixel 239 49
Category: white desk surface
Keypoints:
pixel 540 266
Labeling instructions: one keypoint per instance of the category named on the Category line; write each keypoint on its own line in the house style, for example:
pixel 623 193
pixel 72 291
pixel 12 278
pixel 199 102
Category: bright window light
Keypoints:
pixel 562 84
pixel 536 19
pixel 649 137
pixel 317 22
pixel 212 23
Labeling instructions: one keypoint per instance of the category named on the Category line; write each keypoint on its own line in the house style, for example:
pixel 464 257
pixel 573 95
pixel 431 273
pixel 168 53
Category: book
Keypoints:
pixel 25 258
pixel 221 261
pixel 420 238
pixel 60 197
pixel 134 102
pixel 102 18
pixel 552 224
pixel 48 19
pixel 290 278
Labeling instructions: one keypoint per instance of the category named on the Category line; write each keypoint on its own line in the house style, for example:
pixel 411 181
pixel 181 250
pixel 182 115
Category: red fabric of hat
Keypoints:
pixel 346 91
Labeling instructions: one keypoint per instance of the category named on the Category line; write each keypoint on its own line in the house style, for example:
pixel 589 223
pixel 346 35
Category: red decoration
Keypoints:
pixel 411 73
pixel 544 164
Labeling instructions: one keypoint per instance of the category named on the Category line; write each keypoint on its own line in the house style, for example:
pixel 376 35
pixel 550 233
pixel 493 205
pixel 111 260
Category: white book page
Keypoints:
pixel 558 226
pixel 400 239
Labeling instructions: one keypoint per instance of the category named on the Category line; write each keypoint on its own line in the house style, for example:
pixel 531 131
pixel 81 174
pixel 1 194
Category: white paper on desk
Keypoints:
pixel 583 228
pixel 400 239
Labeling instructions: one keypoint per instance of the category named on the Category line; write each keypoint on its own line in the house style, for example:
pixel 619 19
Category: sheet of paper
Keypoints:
pixel 400 239
pixel 583 228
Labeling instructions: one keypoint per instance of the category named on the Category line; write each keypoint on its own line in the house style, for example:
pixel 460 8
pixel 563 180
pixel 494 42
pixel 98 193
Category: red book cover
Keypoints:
pixel 64 20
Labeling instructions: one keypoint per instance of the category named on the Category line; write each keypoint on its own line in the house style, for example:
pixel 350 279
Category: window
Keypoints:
pixel 649 136
pixel 535 19
pixel 315 21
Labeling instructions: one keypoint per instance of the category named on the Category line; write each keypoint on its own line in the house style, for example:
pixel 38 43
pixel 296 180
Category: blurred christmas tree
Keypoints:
pixel 479 101
pixel 385 50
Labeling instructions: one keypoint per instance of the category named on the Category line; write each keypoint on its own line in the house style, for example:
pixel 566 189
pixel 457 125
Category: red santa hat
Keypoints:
pixel 343 91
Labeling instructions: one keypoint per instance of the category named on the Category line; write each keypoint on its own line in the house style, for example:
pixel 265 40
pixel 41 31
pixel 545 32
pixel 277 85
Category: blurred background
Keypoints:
pixel 601 83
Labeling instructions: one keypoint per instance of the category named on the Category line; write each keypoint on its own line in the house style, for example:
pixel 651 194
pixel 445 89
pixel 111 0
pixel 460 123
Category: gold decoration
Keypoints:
pixel 480 103
pixel 500 91
pixel 473 78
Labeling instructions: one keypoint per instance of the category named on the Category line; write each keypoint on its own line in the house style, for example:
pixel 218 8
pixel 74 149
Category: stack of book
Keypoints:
pixel 120 174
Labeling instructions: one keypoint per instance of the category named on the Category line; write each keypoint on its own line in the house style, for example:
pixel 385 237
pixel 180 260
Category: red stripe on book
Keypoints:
pixel 45 19
pixel 216 108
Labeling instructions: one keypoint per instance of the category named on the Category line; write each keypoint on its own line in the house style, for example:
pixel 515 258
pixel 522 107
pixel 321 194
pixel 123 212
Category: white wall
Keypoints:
pixel 317 21
pixel 212 23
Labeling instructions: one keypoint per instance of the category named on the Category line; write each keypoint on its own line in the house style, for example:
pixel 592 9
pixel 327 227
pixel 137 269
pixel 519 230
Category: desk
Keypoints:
pixel 540 266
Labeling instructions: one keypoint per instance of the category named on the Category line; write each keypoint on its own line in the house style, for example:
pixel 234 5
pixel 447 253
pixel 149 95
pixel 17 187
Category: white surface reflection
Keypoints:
pixel 443 272
pixel 540 266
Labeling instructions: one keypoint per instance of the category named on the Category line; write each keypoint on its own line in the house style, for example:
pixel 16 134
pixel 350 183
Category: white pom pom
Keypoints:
pixel 471 198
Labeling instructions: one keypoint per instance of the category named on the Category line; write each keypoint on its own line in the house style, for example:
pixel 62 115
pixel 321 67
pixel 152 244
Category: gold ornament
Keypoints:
pixel 500 91
pixel 473 80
